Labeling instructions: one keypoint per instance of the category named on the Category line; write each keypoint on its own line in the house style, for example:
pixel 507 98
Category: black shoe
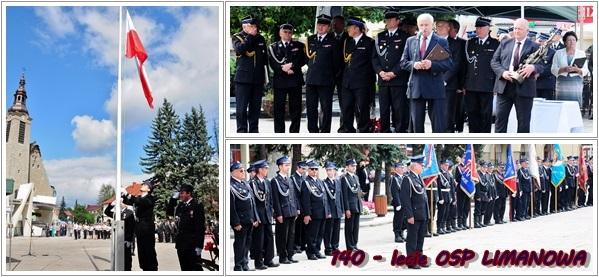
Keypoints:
pixel 284 261
pixel 292 260
pixel 428 235
pixel 328 252
pixel 441 231
pixel 261 267
pixel 312 257
pixel 246 268
pixel 272 264
pixel 320 256
pixel 414 266
pixel 237 268
pixel 298 251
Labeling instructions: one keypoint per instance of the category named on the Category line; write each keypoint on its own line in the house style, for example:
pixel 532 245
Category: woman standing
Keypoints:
pixel 569 77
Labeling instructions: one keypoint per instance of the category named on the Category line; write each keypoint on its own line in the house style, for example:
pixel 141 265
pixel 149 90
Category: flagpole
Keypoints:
pixel 555 204
pixel 118 229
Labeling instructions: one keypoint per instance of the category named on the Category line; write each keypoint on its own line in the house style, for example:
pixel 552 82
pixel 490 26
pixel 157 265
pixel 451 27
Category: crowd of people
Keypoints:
pixel 306 210
pixel 413 79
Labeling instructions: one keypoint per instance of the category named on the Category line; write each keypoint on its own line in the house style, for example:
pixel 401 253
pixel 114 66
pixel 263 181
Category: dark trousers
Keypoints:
pixel 590 190
pixel 479 208
pixel 284 233
pixel 398 220
pixel 536 202
pixel 146 253
pixel 548 94
pixel 332 227
pixel 499 209
pixel 516 206
pixel 480 111
pixel 505 102
pixel 248 100
pixel 545 201
pixel 562 197
pixel 299 238
pixel 188 260
pixel 356 101
pixel 339 89
pixel 552 204
pixel 436 112
pixel 415 238
pixel 366 193
pixel 262 249
pixel 489 211
pixel 463 203
pixel 442 210
pixel 315 234
pixel 459 113
pixel 128 258
pixel 451 110
pixel 581 197
pixel 324 96
pixel 281 95
pixel 241 246
pixel 524 207
pixel 167 237
pixel 393 104
pixel 160 236
pixel 352 229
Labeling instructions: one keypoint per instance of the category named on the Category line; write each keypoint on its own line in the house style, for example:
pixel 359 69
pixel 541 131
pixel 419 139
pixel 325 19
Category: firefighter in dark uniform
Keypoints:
pixel 481 197
pixel 398 214
pixel 358 77
pixel 324 63
pixel 452 212
pixel 570 184
pixel 463 200
pixel 315 209
pixel 392 80
pixel 525 186
pixel 297 179
pixel 502 193
pixel 444 185
pixel 250 74
pixel 332 226
pixel 143 206
pixel 415 204
pixel 550 201
pixel 340 35
pixel 352 204
pixel 286 58
pixel 546 80
pixel 263 247
pixel 540 188
pixel 191 223
pixel 492 195
pixel 480 78
pixel 244 216
pixel 285 211
pixel 129 219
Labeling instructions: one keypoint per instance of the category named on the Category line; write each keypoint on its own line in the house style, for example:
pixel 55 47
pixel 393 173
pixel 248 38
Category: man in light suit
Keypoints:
pixel 506 61
pixel 426 85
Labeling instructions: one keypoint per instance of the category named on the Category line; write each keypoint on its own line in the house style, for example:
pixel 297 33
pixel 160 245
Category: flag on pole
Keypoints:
pixel 533 168
pixel 135 48
pixel 558 169
pixel 431 167
pixel 582 170
pixel 469 174
pixel 509 179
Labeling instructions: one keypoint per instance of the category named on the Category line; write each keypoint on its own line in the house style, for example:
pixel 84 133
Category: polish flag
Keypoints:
pixel 135 48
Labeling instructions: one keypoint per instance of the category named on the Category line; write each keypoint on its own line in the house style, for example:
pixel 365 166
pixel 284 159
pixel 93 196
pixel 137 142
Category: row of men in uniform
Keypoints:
pixel 97 231
pixel 166 230
pixel 464 82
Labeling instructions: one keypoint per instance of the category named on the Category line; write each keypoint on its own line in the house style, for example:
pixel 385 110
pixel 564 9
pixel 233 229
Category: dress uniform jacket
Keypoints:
pixel 546 79
pixel 396 181
pixel 446 188
pixel 334 197
pixel 499 186
pixel 351 190
pixel 524 181
pixel 387 55
pixel 283 197
pixel 243 207
pixel 278 55
pixel 491 186
pixel 482 188
pixel 453 77
pixel 251 58
pixel 262 191
pixel 296 181
pixel 358 72
pixel 325 60
pixel 413 197
pixel 191 223
pixel 314 199
pixel 479 74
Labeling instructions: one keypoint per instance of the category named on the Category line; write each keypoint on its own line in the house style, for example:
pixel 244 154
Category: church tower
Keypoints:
pixel 18 131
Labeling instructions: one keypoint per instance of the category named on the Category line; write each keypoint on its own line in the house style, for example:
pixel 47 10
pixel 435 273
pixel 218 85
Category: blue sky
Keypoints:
pixel 70 59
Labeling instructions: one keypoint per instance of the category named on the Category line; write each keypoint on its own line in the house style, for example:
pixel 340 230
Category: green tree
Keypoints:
pixel 337 153
pixel 61 214
pixel 161 155
pixel 386 154
pixel 106 192
pixel 81 215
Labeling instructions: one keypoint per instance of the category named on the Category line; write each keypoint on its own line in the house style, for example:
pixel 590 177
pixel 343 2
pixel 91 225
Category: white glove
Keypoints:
pixel 198 251
pixel 398 208
pixel 176 194
pixel 514 194
pixel 520 194
pixel 441 201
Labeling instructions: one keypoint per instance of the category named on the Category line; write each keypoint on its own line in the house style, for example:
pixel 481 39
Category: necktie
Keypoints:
pixel 423 47
pixel 480 41
pixel 516 57
pixel 390 34
pixel 285 45
pixel 320 39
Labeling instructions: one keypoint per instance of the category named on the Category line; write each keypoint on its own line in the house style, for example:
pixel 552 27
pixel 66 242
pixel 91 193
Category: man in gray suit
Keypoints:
pixel 506 61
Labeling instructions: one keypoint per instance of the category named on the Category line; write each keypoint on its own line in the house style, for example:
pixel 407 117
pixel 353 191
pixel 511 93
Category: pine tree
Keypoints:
pixel 62 215
pixel 337 153
pixel 161 158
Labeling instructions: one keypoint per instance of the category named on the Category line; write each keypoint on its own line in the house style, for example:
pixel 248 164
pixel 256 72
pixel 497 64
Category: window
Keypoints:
pixel 21 132
pixel 7 130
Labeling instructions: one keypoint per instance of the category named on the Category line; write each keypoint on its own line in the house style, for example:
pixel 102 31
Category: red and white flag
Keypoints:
pixel 135 48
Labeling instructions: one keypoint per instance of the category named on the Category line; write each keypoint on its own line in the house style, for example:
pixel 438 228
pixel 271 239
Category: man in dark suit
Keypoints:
pixel 250 75
pixel 362 173
pixel 340 35
pixel 286 58
pixel 392 80
pixel 452 77
pixel 352 204
pixel 296 181
pixel 324 63
pixel 426 85
pixel 458 112
pixel 358 76
pixel 332 186
pixel 546 80
pixel 545 178
pixel 315 211
pixel 480 78
pixel 506 62
pixel 285 211
pixel 398 214
pixel 263 247
pixel 415 204
pixel 243 216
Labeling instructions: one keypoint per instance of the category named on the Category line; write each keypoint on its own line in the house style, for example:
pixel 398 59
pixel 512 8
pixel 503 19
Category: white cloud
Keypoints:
pixel 81 178
pixel 93 135
pixel 57 21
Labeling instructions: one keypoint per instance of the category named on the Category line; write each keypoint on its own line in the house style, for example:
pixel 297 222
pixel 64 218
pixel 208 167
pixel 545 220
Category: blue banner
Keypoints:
pixel 468 172
pixel 558 169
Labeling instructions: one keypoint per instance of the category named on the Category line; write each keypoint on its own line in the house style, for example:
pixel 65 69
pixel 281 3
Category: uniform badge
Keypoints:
pixel 325 46
pixel 396 46
pixel 191 213
pixel 362 48
pixel 294 49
